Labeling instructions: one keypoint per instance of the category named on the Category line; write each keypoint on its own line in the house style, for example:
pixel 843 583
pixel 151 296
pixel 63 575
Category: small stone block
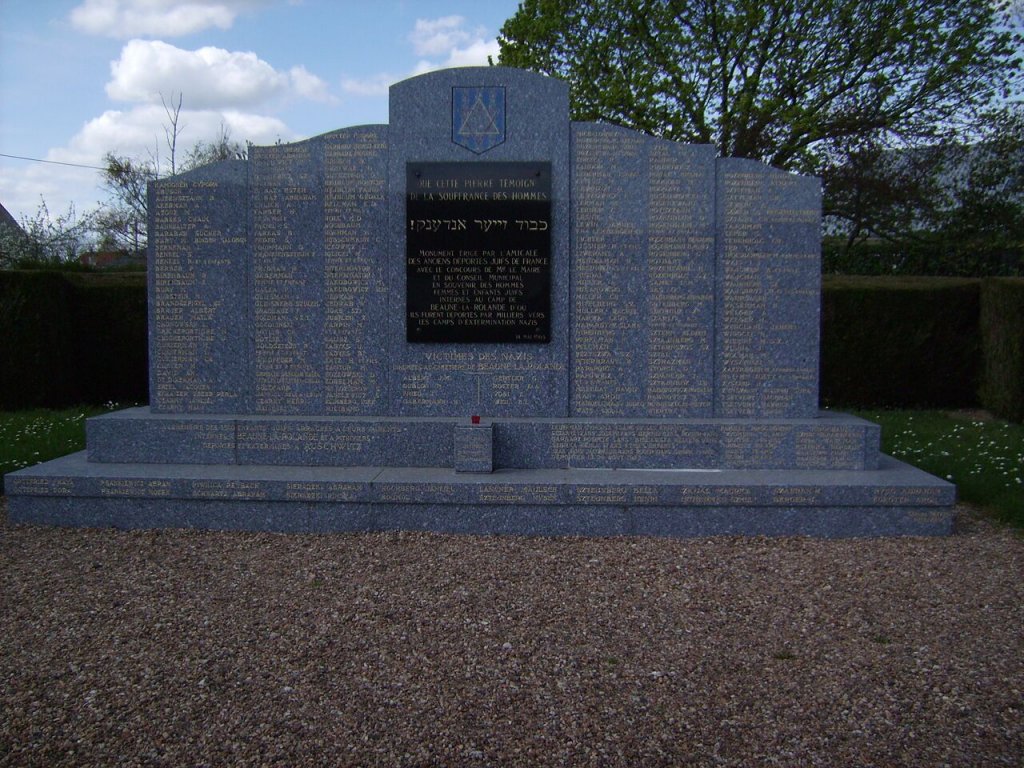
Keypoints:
pixel 474 448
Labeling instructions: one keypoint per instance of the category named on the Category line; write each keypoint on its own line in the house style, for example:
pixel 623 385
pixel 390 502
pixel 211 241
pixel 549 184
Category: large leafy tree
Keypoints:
pixel 789 82
pixel 879 97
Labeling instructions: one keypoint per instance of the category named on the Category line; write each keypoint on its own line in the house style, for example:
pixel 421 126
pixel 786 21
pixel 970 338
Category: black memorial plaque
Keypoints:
pixel 478 252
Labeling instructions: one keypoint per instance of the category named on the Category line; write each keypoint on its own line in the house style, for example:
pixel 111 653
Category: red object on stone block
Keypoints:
pixel 475 419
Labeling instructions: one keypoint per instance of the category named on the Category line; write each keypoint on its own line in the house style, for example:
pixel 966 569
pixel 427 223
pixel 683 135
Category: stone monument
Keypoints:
pixel 485 318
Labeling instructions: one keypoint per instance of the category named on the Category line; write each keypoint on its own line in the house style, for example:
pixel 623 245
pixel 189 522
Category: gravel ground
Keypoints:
pixel 185 648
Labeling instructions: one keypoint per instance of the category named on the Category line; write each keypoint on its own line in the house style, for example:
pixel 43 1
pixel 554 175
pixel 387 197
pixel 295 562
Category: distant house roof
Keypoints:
pixel 9 222
pixel 11 233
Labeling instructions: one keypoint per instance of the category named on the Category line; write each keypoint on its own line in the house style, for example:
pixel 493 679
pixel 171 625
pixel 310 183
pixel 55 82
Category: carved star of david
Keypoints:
pixel 478 117
pixel 479 120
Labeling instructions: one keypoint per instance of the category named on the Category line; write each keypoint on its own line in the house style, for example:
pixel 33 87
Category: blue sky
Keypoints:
pixel 79 78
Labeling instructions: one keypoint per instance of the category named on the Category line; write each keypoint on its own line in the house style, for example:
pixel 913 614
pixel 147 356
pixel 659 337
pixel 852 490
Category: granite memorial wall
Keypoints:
pixel 694 281
pixel 605 302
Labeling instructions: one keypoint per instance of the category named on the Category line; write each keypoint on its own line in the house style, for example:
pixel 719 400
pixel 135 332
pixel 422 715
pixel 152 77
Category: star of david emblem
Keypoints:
pixel 478 117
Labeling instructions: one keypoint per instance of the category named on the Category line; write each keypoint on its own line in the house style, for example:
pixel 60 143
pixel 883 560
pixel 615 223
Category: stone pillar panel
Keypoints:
pixel 643 275
pixel 486 121
pixel 198 307
pixel 317 285
pixel 768 292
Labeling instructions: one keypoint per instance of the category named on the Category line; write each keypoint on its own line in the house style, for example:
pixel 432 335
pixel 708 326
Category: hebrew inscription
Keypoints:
pixel 478 252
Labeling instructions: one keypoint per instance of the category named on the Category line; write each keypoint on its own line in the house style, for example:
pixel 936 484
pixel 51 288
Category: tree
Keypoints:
pixel 122 222
pixel 46 240
pixel 221 148
pixel 951 208
pixel 881 193
pixel 869 94
pixel 989 188
pixel 783 81
pixel 771 79
pixel 172 129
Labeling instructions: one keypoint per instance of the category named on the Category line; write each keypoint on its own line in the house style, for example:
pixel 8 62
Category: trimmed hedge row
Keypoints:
pixel 36 344
pixel 923 342
pixel 72 338
pixel 1002 328
pixel 910 342
pixel 928 256
pixel 111 322
pixel 900 342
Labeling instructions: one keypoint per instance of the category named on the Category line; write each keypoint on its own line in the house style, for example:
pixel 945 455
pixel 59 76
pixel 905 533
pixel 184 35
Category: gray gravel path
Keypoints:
pixel 183 648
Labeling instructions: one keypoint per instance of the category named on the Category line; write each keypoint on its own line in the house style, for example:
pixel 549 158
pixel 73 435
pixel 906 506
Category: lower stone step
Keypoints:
pixel 894 499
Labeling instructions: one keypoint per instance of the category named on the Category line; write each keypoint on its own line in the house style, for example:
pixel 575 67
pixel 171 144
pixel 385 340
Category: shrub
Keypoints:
pixel 1002 331
pixel 900 342
pixel 37 339
pixel 71 338
pixel 109 313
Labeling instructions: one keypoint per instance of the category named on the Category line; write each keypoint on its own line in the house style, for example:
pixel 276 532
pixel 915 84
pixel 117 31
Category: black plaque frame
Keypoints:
pixel 478 252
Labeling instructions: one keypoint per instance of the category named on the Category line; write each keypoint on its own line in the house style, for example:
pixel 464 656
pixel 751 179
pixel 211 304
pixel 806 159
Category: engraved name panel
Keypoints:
pixel 355 291
pixel 643 277
pixel 197 291
pixel 766 362
pixel 288 307
pixel 591 445
pixel 318 212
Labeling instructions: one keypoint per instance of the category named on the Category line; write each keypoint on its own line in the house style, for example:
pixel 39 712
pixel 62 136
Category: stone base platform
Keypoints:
pixel 829 440
pixel 891 499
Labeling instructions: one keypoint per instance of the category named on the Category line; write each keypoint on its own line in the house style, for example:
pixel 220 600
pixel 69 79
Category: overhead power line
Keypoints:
pixel 52 162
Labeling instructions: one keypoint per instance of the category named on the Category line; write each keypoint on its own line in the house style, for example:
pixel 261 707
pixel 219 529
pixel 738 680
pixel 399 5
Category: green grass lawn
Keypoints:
pixel 983 456
pixel 31 437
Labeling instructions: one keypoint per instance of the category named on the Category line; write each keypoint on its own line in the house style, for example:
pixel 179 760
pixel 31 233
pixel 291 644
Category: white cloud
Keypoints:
pixel 431 37
pixel 258 129
pixel 375 85
pixel 474 55
pixel 207 78
pixel 309 86
pixel 447 39
pixel 448 44
pixel 167 18
pixel 137 133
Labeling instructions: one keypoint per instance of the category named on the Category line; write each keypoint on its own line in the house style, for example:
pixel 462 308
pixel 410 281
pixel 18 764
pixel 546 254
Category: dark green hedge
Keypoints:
pixel 1002 331
pixel 928 256
pixel 72 338
pixel 110 316
pixel 900 342
pixel 36 339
